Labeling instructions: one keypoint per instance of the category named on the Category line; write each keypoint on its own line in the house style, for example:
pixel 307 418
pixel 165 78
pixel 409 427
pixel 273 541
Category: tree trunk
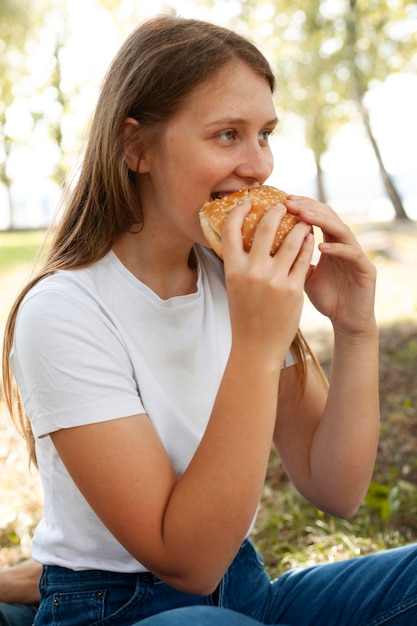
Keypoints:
pixel 10 212
pixel 359 90
pixel 390 188
pixel 321 191
pixel 6 180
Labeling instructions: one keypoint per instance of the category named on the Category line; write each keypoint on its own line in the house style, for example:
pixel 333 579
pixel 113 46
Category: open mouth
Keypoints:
pixel 218 195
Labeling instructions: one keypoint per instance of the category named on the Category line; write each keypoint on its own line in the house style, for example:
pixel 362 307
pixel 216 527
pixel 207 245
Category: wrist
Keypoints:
pixel 365 337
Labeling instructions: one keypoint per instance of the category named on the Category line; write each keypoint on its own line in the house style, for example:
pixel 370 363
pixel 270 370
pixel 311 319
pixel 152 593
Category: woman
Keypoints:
pixel 155 378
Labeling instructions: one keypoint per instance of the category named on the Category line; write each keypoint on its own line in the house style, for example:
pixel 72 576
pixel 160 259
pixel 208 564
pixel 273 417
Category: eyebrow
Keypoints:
pixel 239 120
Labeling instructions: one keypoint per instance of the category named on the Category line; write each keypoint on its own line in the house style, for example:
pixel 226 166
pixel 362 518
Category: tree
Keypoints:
pixel 329 54
pixel 311 87
pixel 372 52
pixel 14 26
pixel 349 45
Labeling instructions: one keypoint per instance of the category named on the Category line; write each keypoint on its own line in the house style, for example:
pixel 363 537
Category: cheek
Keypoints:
pixel 187 168
pixel 197 176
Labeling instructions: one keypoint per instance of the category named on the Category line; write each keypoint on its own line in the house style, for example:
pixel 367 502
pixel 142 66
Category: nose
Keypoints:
pixel 256 163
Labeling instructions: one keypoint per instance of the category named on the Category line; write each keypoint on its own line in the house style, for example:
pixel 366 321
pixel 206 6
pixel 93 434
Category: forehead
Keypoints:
pixel 234 89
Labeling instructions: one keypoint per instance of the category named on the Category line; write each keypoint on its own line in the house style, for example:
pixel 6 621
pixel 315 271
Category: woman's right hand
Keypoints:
pixel 266 293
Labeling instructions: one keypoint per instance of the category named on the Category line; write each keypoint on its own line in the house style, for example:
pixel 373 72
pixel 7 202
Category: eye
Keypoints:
pixel 227 135
pixel 264 135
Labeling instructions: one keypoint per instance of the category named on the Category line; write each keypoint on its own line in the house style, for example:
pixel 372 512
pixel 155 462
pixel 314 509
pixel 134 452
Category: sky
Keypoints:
pixel 352 177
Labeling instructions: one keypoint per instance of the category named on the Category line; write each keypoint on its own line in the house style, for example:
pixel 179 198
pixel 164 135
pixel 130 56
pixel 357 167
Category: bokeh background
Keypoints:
pixel 347 101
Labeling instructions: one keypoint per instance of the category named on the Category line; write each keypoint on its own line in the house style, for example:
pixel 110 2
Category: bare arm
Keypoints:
pixel 329 444
pixel 187 530
pixel 19 583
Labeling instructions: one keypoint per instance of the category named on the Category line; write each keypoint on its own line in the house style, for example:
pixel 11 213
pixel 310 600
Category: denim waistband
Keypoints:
pixel 120 598
pixel 57 574
pixel 52 574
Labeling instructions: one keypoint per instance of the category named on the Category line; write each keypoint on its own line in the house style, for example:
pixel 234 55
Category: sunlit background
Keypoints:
pixel 55 53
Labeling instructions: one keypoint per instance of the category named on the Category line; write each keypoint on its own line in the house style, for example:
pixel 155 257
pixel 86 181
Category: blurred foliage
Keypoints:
pixel 19 249
pixel 14 27
pixel 328 54
pixel 19 23
pixel 291 533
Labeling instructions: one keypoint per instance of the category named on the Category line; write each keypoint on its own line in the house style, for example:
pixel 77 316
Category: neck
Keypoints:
pixel 169 272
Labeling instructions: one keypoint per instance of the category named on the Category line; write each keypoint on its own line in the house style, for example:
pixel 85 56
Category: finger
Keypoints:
pixel 341 250
pixel 310 271
pixel 350 255
pixel 323 216
pixel 232 228
pixel 266 230
pixel 292 243
pixel 302 267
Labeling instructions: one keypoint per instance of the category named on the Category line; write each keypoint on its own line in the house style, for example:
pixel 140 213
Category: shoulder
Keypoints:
pixel 59 290
pixel 65 304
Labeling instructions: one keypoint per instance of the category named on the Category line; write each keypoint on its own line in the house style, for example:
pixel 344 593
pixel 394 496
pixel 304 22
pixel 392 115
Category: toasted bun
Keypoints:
pixel 213 214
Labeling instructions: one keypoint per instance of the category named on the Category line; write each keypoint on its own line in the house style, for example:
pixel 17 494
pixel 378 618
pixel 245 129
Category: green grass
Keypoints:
pixel 19 249
pixel 289 531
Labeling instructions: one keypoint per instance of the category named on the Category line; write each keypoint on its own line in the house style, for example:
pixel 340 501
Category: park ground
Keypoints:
pixel 289 532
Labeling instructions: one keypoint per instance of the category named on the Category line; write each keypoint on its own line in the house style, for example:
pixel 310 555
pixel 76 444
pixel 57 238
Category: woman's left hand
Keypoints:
pixel 342 284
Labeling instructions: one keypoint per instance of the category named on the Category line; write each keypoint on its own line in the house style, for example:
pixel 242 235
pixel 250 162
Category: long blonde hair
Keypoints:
pixel 153 73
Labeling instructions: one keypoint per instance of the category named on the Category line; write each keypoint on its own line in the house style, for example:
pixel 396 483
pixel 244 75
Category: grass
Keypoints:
pixel 289 531
pixel 19 249
pixel 20 489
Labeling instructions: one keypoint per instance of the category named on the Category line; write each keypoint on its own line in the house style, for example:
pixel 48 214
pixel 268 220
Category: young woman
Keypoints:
pixel 154 377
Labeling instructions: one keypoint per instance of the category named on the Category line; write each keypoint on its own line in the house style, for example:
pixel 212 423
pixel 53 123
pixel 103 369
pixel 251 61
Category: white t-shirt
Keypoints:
pixel 96 344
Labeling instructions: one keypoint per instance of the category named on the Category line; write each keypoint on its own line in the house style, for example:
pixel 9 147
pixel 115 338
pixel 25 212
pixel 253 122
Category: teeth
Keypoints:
pixel 217 195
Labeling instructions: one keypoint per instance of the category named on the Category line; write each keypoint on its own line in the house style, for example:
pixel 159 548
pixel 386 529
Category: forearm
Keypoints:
pixel 345 443
pixel 187 528
pixel 19 584
pixel 219 492
pixel 213 504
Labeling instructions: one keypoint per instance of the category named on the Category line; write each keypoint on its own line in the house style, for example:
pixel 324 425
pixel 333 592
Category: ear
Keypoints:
pixel 133 146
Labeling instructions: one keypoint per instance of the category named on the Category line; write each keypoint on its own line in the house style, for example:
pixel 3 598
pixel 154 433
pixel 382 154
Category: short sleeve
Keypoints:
pixel 70 363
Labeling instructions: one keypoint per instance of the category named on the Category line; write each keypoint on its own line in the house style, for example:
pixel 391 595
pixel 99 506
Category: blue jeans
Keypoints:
pixel 16 614
pixel 366 591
